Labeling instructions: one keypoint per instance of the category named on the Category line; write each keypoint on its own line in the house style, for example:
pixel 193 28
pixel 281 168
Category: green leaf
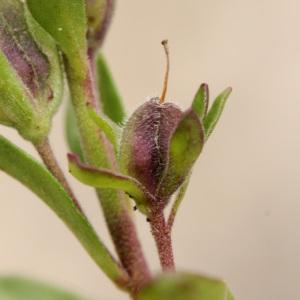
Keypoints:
pixel 71 130
pixel 200 102
pixel 185 147
pixel 17 288
pixel 108 129
pixel 31 76
pixel 66 21
pixel 18 164
pixel 106 179
pixel 214 114
pixel 181 286
pixel 111 101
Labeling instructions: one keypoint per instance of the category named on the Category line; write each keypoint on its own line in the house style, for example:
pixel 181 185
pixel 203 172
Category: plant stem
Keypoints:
pixel 98 152
pixel 45 151
pixel 162 235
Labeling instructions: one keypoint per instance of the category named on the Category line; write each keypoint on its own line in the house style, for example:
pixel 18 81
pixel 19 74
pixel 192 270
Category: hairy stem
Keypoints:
pixel 98 152
pixel 162 235
pixel 45 151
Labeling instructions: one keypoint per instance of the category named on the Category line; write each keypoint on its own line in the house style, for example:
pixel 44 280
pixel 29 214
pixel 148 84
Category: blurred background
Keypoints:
pixel 240 219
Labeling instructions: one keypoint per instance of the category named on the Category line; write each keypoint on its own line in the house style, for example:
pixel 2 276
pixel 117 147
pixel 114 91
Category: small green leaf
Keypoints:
pixel 200 102
pixel 111 101
pixel 71 130
pixel 214 114
pixel 181 286
pixel 106 179
pixel 17 288
pixel 185 146
pixel 18 164
pixel 66 21
pixel 108 129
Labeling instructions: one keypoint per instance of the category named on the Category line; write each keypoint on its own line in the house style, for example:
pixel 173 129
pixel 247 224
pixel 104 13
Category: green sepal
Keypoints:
pixel 106 179
pixel 185 146
pixel 15 103
pixel 111 102
pixel 31 79
pixel 183 286
pixel 18 164
pixel 18 288
pixel 214 114
pixel 66 22
pixel 201 101
pixel 71 131
pixel 110 130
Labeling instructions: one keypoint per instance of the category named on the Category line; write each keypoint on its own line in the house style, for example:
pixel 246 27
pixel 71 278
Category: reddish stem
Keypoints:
pixel 45 151
pixel 162 236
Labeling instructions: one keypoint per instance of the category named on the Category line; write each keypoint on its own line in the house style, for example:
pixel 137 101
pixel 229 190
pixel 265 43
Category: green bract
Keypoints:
pixel 201 101
pixel 30 72
pixel 185 146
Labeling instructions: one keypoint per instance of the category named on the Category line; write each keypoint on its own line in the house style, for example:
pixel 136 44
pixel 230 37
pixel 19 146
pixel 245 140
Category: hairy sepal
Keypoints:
pixel 185 146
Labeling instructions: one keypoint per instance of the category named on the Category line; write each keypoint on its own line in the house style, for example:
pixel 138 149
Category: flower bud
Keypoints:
pixel 144 148
pixel 30 74
pixel 159 146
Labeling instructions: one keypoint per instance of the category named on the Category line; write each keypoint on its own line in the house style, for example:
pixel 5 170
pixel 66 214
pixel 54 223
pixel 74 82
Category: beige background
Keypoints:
pixel 240 219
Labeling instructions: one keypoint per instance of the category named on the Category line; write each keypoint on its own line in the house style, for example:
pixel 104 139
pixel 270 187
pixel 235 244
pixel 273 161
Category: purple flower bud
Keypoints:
pixel 145 143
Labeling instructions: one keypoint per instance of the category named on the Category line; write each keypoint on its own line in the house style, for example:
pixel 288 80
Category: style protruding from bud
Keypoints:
pixel 166 79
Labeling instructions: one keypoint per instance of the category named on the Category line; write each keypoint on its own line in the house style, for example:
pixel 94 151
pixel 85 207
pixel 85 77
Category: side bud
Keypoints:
pixel 99 14
pixel 30 73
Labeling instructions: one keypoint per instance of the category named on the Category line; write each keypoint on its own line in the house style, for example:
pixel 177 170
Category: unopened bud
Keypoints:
pixel 30 76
